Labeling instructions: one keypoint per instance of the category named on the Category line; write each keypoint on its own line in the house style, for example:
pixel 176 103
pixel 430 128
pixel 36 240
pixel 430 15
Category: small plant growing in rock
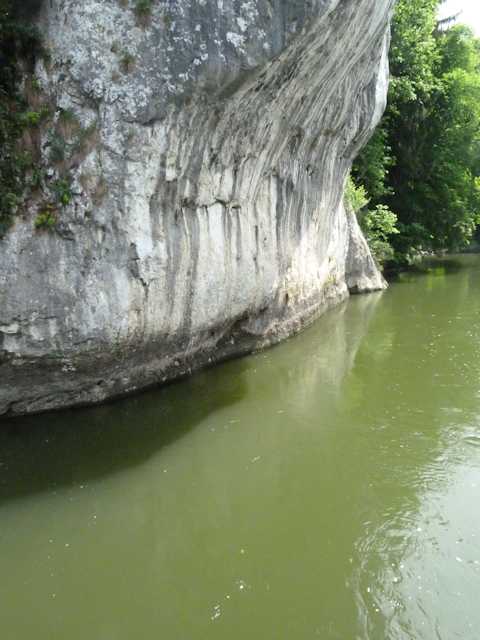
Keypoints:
pixel 36 178
pixel 85 138
pixel 57 149
pixel 46 218
pixel 62 191
pixel 68 123
pixel 36 86
pixel 143 8
pixel 31 119
pixel 8 204
pixel 143 11
pixel 127 63
pixel 66 116
pixel 45 112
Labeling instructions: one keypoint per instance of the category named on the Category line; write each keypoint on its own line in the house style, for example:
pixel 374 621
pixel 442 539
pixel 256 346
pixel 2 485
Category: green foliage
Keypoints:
pixel 62 191
pixel 371 167
pixel 58 148
pixel 379 226
pixel 20 44
pixel 36 84
pixel 413 53
pixel 380 223
pixel 26 113
pixel 67 116
pixel 36 178
pixel 46 219
pixel 31 118
pixel 424 160
pixel 143 7
pixel 355 196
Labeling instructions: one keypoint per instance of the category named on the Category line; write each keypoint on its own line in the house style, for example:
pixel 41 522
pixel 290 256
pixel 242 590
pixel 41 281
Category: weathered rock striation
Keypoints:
pixel 207 216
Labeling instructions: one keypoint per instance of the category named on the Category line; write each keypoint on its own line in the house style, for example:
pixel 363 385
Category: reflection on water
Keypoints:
pixel 417 570
pixel 327 488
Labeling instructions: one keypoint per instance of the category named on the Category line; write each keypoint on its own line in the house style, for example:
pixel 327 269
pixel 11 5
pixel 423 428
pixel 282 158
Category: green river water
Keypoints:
pixel 327 488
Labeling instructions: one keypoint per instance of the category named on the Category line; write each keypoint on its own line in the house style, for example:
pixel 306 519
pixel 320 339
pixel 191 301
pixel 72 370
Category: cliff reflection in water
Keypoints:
pixel 325 488
pixel 45 452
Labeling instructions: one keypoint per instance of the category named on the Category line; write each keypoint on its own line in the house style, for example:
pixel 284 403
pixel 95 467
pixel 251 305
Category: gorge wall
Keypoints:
pixel 207 146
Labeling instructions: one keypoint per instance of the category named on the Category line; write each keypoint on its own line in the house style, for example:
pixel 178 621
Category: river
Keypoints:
pixel 327 488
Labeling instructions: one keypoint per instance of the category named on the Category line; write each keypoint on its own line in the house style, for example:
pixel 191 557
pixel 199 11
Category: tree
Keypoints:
pixel 424 161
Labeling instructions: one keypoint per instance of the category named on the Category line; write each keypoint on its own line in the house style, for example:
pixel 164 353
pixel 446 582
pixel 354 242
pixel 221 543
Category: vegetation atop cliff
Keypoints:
pixel 423 163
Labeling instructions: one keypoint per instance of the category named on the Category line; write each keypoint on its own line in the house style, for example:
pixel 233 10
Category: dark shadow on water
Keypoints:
pixel 447 265
pixel 439 266
pixel 61 449
pixel 65 449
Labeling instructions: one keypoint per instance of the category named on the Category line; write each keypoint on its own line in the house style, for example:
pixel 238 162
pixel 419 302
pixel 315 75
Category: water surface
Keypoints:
pixel 328 488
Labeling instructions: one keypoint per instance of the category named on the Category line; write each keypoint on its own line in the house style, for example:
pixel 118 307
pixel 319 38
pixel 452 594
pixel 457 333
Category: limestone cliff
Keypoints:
pixel 205 214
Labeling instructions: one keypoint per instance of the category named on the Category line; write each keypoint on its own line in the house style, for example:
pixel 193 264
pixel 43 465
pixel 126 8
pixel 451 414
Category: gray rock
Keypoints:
pixel 207 217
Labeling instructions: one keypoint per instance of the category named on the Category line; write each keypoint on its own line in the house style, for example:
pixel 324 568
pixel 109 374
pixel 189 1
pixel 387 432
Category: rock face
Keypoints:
pixel 207 216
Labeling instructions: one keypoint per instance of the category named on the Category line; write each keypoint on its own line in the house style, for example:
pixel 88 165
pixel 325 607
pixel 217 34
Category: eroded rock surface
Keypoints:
pixel 207 216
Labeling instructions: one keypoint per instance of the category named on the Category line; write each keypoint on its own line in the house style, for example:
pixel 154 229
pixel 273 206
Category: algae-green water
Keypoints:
pixel 327 488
